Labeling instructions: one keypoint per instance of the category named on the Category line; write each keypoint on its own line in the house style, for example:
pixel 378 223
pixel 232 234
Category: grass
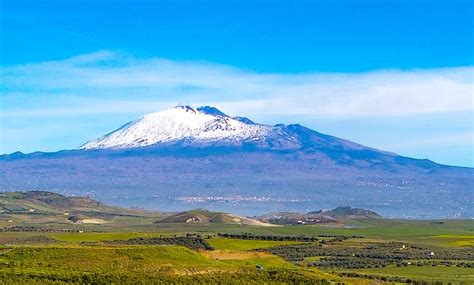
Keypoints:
pixel 248 259
pixel 145 262
pixel 144 259
pixel 92 237
pixel 453 240
pixel 232 256
pixel 312 258
pixel 376 228
pixel 438 273
pixel 239 244
pixel 35 258
pixel 451 233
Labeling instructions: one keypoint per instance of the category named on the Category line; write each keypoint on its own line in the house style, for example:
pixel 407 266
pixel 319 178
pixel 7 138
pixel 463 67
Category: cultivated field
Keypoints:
pixel 47 246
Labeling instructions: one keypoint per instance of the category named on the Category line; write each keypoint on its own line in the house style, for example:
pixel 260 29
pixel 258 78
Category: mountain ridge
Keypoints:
pixel 307 140
pixel 203 124
pixel 206 125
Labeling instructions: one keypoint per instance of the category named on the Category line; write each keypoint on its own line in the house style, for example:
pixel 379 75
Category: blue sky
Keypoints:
pixel 396 75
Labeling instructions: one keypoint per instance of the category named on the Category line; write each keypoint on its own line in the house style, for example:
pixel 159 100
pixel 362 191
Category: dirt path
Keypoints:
pixel 8 250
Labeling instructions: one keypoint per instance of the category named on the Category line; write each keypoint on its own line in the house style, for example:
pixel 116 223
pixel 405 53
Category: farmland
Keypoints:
pixel 122 256
pixel 44 246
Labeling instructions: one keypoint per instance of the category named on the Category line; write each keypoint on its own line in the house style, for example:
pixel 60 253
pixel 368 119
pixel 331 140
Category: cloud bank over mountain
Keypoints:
pixel 154 82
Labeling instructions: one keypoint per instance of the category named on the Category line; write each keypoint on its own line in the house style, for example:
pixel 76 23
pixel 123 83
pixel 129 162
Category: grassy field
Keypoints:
pixel 40 244
pixel 450 240
pixel 440 273
pixel 144 263
pixel 70 260
pixel 450 234
pixel 238 244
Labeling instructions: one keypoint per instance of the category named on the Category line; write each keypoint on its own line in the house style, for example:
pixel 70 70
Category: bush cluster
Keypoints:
pixel 388 278
pixel 378 255
pixel 193 242
pixel 35 229
pixel 250 236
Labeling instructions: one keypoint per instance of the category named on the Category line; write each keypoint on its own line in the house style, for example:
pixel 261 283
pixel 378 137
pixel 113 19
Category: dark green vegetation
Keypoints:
pixel 190 241
pixel 119 246
pixel 352 212
pixel 251 236
pixel 373 255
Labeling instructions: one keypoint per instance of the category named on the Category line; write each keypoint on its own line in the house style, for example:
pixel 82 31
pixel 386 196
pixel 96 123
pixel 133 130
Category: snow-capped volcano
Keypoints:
pixel 186 152
pixel 183 123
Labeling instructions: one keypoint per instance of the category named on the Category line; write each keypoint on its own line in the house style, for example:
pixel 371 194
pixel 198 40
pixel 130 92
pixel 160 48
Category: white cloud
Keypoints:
pixel 448 139
pixel 108 82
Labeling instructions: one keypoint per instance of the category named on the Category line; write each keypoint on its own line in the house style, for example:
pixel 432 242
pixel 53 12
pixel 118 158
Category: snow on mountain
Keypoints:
pixel 200 125
pixel 206 153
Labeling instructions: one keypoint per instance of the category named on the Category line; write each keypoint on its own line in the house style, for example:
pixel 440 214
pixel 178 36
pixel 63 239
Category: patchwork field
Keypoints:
pixel 45 246
pixel 125 257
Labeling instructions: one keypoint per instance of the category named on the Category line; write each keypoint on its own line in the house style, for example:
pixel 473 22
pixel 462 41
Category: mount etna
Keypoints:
pixel 186 157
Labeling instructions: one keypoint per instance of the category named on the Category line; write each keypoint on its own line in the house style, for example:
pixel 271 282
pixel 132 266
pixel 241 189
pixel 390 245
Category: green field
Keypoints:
pixel 41 242
pixel 238 244
pixel 148 264
pixel 63 258
pixel 440 273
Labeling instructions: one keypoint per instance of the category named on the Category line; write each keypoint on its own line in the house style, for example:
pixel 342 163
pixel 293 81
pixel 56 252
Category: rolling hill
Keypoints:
pixel 47 208
pixel 42 207
pixel 202 216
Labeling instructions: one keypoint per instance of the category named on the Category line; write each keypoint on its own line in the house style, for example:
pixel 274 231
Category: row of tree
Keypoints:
pixel 382 253
pixel 389 278
pixel 250 236
pixel 35 229
pixel 190 241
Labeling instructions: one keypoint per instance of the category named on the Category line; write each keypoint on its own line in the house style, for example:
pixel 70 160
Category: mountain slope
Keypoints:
pixel 208 126
pixel 185 158
pixel 201 125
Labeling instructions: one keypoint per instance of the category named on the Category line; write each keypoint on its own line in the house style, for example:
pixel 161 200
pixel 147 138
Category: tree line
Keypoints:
pixel 193 242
